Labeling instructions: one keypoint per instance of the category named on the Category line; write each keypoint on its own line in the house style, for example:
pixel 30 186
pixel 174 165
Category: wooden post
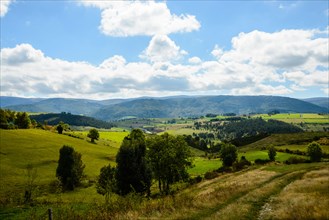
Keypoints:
pixel 50 214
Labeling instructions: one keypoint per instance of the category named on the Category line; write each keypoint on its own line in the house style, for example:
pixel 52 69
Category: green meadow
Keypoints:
pixel 298 118
pixel 41 149
pixel 210 199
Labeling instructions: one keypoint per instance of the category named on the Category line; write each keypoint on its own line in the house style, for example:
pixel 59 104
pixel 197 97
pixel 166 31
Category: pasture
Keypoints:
pixel 297 118
pixel 210 199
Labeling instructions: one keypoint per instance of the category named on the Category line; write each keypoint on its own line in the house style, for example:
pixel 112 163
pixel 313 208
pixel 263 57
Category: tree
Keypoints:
pixel 70 168
pixel 22 120
pixel 59 129
pixel 271 153
pixel 169 158
pixel 228 154
pixel 93 135
pixel 314 151
pixel 106 182
pixel 133 172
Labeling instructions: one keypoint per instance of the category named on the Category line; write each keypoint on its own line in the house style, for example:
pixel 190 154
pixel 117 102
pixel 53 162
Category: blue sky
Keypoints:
pixel 119 49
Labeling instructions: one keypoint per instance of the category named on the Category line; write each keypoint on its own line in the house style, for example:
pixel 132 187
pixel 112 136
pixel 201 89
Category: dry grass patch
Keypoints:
pixel 307 198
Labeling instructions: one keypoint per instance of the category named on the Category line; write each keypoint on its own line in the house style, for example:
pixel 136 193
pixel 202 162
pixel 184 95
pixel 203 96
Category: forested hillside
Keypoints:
pixel 68 118
pixel 168 107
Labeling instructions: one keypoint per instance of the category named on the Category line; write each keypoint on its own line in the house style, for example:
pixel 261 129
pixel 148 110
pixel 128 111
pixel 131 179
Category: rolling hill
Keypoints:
pixel 320 101
pixel 76 120
pixel 168 107
pixel 196 106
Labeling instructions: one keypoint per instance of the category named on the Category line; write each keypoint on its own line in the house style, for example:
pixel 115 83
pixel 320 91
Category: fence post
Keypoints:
pixel 50 214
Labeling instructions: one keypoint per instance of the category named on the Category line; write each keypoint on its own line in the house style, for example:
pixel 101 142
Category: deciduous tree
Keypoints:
pixel 93 135
pixel 169 157
pixel 314 151
pixel 228 154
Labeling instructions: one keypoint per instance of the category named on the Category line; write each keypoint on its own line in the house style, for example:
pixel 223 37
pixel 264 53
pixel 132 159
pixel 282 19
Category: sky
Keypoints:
pixel 123 49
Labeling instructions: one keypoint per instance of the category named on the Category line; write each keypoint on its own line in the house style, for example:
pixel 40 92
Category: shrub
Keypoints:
pixel 228 154
pixel 106 182
pixel 224 169
pixel 296 160
pixel 314 151
pixel 271 153
pixel 262 161
pixel 195 180
pixel 211 175
pixel 239 165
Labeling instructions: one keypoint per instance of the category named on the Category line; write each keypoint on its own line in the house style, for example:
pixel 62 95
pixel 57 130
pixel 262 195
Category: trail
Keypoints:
pixel 248 203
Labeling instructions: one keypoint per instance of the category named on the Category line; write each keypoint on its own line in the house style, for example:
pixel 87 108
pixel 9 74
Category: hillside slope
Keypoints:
pixel 41 149
pixel 197 106
pixel 168 107
pixel 320 101
pixel 75 120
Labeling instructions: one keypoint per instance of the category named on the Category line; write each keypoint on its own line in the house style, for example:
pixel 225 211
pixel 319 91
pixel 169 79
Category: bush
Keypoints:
pixel 211 175
pixel 224 169
pixel 239 165
pixel 195 180
pixel 228 154
pixel 314 151
pixel 271 153
pixel 262 161
pixel 296 160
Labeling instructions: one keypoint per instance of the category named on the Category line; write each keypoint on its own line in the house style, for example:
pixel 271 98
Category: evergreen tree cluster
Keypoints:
pixel 12 120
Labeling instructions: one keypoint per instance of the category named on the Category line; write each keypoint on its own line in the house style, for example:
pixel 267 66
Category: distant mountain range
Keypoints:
pixel 166 107
pixel 320 101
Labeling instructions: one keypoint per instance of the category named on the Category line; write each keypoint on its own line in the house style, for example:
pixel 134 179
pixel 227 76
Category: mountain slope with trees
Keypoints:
pixel 68 118
pixel 171 107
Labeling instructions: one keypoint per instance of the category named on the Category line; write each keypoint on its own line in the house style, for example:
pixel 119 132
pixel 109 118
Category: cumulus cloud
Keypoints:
pixel 4 7
pixel 132 18
pixel 161 49
pixel 194 60
pixel 277 63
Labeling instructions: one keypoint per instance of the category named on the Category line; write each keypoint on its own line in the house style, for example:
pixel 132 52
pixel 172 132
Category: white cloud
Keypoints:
pixel 277 63
pixel 4 7
pixel 326 91
pixel 162 49
pixel 217 52
pixel 194 60
pixel 132 18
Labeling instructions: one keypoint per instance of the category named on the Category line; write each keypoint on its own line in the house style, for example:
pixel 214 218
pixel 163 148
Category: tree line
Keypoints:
pixel 12 120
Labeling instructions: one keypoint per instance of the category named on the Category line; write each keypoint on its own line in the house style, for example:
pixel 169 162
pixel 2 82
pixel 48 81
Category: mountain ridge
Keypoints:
pixel 165 107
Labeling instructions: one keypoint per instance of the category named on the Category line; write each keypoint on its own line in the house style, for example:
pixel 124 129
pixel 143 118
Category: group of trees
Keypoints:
pixel 164 158
pixel 11 119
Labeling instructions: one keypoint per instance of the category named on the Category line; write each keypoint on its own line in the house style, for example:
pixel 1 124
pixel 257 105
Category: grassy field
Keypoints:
pixel 41 149
pixel 113 138
pixel 256 193
pixel 298 118
pixel 282 140
pixel 247 194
